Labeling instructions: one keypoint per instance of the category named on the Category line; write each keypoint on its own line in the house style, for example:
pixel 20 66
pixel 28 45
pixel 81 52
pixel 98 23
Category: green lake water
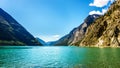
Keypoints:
pixel 58 57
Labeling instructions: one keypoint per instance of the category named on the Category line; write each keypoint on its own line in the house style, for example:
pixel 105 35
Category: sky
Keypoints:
pixel 52 19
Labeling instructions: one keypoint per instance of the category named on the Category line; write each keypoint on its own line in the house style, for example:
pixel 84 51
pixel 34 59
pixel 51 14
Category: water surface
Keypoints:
pixel 58 57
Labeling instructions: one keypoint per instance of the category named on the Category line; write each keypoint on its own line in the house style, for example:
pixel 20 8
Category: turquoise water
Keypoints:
pixel 59 57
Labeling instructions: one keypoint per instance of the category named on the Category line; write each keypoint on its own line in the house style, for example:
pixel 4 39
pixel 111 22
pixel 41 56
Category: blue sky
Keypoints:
pixel 52 19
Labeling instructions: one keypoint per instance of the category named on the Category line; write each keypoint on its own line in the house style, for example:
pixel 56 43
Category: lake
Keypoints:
pixel 58 57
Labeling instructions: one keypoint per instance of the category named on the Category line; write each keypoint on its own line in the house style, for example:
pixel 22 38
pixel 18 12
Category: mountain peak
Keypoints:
pixel 1 9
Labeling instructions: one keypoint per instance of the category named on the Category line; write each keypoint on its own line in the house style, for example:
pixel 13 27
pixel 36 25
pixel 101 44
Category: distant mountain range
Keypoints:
pixel 12 33
pixel 77 34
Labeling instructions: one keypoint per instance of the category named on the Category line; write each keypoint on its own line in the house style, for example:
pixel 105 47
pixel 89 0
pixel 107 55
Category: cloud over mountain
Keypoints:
pixel 98 12
pixel 100 3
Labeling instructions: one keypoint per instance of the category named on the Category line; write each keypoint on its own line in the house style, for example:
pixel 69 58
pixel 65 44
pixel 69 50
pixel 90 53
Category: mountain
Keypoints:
pixel 105 31
pixel 12 33
pixel 77 33
pixel 41 41
pixel 51 43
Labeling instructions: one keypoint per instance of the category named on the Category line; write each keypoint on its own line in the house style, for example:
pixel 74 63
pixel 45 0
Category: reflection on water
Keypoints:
pixel 63 57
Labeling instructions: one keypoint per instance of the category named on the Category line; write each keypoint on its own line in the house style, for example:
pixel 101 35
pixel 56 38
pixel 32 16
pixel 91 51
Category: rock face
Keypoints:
pixel 12 33
pixel 78 33
pixel 105 31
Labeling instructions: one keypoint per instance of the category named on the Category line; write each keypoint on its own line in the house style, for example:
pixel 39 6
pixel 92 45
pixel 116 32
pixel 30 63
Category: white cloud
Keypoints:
pixel 112 1
pixel 56 36
pixel 49 38
pixel 104 11
pixel 98 12
pixel 100 3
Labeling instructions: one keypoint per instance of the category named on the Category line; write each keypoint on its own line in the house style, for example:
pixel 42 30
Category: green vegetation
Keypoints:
pixel 11 42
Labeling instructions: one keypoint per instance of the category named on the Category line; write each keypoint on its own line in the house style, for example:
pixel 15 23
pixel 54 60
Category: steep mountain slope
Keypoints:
pixel 41 41
pixel 105 31
pixel 77 33
pixel 12 33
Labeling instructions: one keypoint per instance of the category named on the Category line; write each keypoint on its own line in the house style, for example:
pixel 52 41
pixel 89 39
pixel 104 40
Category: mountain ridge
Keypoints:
pixel 12 33
pixel 77 33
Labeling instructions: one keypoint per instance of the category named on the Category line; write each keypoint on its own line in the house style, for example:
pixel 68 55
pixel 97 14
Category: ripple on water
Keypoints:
pixel 64 57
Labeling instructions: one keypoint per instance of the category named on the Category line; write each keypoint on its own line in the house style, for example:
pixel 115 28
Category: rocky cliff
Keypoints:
pixel 12 33
pixel 77 33
pixel 105 31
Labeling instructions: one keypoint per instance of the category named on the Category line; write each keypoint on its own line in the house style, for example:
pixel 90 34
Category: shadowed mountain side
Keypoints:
pixel 42 42
pixel 12 33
